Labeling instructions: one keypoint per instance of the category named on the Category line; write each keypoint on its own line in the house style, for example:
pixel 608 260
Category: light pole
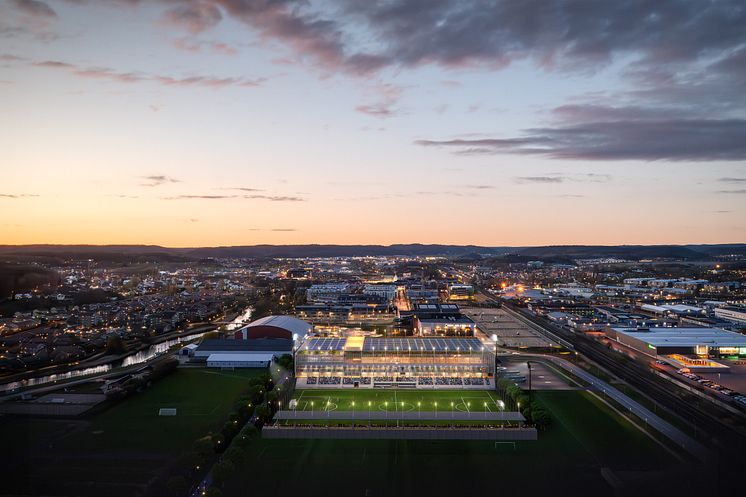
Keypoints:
pixel 528 363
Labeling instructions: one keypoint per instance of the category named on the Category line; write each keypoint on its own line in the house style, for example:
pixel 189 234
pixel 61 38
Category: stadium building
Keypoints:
pixel 368 362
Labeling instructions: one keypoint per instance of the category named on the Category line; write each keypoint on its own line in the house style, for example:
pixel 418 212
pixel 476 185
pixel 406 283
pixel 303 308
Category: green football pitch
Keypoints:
pixel 398 400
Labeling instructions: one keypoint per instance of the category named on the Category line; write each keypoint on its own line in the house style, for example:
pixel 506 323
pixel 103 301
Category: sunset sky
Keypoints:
pixel 230 122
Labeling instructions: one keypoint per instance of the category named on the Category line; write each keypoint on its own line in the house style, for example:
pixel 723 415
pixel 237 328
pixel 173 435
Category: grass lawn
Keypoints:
pixel 117 451
pixel 566 460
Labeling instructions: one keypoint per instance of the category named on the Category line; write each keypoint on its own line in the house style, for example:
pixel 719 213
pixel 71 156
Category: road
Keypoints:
pixel 719 425
pixel 677 436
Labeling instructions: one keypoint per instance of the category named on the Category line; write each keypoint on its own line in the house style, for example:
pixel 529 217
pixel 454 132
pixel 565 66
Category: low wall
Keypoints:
pixel 379 433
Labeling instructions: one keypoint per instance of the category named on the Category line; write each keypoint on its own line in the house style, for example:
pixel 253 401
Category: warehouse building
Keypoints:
pixel 700 342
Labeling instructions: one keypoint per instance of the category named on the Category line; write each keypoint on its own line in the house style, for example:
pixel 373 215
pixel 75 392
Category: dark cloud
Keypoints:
pixel 539 179
pixel 35 8
pixel 276 198
pixel 361 36
pixel 628 139
pixel 17 195
pixel 271 198
pixel 733 192
pixel 273 229
pixel 216 47
pixel 241 189
pixel 6 57
pixel 195 17
pixel 732 180
pixel 376 110
pixel 137 76
pixel 386 97
pixel 158 179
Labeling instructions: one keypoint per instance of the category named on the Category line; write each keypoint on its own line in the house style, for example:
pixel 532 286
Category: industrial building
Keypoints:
pixel 735 314
pixel 700 342
pixel 438 320
pixel 254 353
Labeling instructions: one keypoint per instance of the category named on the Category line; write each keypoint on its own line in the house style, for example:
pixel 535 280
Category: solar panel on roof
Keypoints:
pixel 423 344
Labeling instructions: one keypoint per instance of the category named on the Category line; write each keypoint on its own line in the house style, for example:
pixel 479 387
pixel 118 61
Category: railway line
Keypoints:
pixel 723 430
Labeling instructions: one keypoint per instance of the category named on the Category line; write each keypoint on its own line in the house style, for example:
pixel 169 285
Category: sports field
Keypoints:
pixel 398 400
pixel 585 441
pixel 118 451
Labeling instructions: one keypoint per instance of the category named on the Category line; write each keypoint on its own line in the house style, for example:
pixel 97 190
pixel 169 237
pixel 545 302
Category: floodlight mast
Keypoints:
pixel 528 363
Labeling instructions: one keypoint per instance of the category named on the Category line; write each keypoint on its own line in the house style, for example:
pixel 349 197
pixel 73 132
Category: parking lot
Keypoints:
pixel 543 377
pixel 509 331
pixel 728 386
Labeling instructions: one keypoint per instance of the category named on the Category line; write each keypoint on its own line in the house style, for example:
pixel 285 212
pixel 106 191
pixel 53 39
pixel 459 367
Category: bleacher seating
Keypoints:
pixel 311 380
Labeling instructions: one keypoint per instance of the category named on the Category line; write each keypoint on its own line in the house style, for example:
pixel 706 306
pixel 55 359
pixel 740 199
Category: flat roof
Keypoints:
pixel 247 357
pixel 423 344
pixel 683 337
pixel 251 345
pixel 391 345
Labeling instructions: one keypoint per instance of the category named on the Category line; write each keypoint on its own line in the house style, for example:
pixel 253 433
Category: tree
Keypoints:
pixel 214 492
pixel 189 461
pixel 222 471
pixel 234 454
pixel 263 412
pixel 177 485
pixel 115 345
pixel 204 447
pixel 218 441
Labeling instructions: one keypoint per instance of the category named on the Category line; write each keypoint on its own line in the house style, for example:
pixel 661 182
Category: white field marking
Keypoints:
pixel 465 405
pixel 300 396
pixel 494 402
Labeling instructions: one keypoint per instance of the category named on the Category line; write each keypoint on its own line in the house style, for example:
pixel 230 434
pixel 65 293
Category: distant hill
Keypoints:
pixel 145 253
